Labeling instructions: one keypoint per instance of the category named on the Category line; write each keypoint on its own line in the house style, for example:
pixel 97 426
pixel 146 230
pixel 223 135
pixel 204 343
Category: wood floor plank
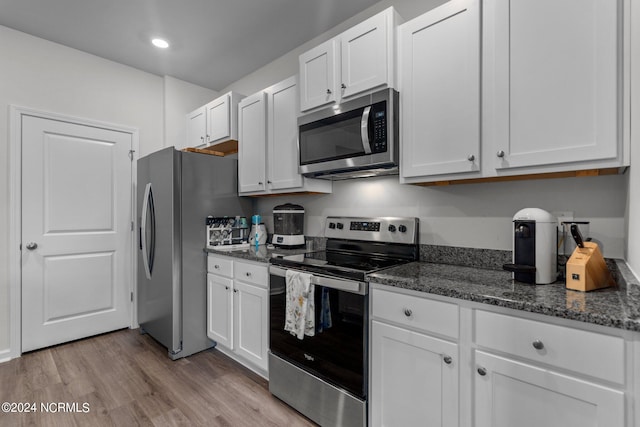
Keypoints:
pixel 127 379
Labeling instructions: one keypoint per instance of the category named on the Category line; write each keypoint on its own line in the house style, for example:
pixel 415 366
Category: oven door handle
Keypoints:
pixel 351 286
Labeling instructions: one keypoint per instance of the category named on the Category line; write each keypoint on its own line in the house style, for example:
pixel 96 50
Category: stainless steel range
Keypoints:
pixel 323 373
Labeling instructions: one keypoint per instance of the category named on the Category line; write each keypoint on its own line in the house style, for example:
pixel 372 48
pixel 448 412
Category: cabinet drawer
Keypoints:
pixel 590 353
pixel 219 265
pixel 252 273
pixel 426 314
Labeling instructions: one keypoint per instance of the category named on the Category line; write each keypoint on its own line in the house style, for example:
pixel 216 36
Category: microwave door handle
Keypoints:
pixel 364 130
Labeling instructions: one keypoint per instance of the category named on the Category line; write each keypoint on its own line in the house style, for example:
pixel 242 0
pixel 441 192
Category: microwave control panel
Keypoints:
pixel 379 140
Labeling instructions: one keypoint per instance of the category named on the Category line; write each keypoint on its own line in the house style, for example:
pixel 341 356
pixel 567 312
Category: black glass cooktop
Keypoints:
pixel 348 265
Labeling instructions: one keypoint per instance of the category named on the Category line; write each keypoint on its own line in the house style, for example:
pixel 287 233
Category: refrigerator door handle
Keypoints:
pixel 148 250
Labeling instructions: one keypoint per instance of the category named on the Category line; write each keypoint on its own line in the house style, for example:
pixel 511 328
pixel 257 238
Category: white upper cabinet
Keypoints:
pixel 196 128
pixel 358 60
pixel 215 122
pixel 268 145
pixel 318 76
pixel 440 92
pixel 252 144
pixel 366 52
pixel 282 141
pixel 552 82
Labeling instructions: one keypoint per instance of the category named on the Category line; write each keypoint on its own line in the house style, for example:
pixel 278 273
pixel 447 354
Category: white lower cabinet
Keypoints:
pixel 414 378
pixel 437 361
pixel 237 310
pixel 414 374
pixel 511 393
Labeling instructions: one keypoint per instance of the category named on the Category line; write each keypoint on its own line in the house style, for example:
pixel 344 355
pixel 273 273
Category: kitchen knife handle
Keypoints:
pixel 577 236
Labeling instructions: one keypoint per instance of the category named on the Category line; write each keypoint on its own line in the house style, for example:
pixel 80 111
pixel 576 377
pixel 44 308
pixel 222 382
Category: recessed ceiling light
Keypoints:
pixel 161 43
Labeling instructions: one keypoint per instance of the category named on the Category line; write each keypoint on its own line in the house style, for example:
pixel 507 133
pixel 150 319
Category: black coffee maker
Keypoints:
pixel 288 226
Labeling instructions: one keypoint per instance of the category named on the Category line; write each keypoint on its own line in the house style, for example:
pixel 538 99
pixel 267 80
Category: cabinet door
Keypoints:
pixel 551 81
pixel 219 310
pixel 414 378
pixel 250 328
pixel 252 143
pixel 218 119
pixel 440 74
pixel 317 76
pixel 365 55
pixel 196 128
pixel 282 146
pixel 511 394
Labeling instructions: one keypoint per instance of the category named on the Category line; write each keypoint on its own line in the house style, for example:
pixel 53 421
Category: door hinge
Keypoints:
pixel 132 226
pixel 131 296
pixel 131 154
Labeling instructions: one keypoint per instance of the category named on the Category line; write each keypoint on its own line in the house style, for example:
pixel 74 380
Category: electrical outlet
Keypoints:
pixel 563 216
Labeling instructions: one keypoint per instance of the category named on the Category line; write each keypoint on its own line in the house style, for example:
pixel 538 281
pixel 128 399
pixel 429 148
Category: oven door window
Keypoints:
pixel 336 353
pixel 333 138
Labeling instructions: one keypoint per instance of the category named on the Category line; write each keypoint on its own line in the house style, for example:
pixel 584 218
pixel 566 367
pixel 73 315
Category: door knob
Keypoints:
pixel 32 245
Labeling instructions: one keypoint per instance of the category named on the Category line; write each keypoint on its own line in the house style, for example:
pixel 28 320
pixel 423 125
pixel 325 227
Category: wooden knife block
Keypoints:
pixel 587 269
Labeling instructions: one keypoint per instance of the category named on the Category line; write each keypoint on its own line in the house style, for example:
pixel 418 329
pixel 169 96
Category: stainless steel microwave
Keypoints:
pixel 357 138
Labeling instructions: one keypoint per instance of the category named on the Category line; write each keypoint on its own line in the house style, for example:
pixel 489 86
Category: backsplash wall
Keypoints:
pixel 470 215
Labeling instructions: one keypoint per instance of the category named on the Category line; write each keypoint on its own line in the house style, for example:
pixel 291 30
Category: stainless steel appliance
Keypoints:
pixel 176 192
pixel 357 138
pixel 535 250
pixel 325 376
pixel 288 226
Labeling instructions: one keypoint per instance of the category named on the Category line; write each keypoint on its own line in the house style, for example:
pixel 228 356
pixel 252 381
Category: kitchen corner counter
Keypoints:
pixel 617 307
pixel 261 254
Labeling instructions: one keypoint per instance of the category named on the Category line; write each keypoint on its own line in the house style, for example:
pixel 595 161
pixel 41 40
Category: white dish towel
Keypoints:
pixel 300 308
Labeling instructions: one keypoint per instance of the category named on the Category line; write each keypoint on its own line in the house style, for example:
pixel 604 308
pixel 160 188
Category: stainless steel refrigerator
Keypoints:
pixel 176 192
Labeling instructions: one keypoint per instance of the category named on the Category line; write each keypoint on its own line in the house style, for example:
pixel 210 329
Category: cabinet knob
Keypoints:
pixel 226 287
pixel 482 371
pixel 500 153
pixel 328 91
pixel 471 157
pixel 343 86
pixel 269 182
pixel 202 138
pixel 408 312
pixel 217 267
pixel 447 360
pixel 248 274
pixel 538 345
pixel 235 291
pixel 208 136
pixel 259 182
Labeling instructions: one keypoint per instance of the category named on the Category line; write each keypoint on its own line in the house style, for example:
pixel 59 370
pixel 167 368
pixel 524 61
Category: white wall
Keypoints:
pixel 46 76
pixel 180 98
pixel 470 215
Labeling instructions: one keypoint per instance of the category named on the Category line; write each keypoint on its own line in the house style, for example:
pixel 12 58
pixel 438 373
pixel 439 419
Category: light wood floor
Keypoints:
pixel 128 380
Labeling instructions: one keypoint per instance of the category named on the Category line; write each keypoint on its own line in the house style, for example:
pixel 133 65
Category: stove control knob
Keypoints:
pixel 402 229
pixel 332 225
pixel 340 226
pixel 392 228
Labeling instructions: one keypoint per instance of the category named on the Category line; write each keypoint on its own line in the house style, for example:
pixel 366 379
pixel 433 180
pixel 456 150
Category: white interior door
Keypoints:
pixel 76 232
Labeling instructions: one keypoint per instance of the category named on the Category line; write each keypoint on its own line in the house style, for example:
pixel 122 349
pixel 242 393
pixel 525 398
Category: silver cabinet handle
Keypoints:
pixel 538 345
pixel 471 157
pixel 328 91
pixel 408 312
pixel 447 360
pixel 226 287
pixel 31 245
pixel 248 274
pixel 217 267
pixel 482 371
pixel 235 291
pixel 500 153
pixel 269 182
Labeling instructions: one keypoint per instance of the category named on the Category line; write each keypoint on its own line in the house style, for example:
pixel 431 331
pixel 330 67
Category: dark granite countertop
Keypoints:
pixel 261 254
pixel 617 307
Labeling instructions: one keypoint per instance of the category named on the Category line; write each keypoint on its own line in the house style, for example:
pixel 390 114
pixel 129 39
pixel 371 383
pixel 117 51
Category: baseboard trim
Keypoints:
pixel 5 355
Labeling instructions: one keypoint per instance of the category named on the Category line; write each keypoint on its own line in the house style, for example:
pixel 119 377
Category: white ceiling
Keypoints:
pixel 213 42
